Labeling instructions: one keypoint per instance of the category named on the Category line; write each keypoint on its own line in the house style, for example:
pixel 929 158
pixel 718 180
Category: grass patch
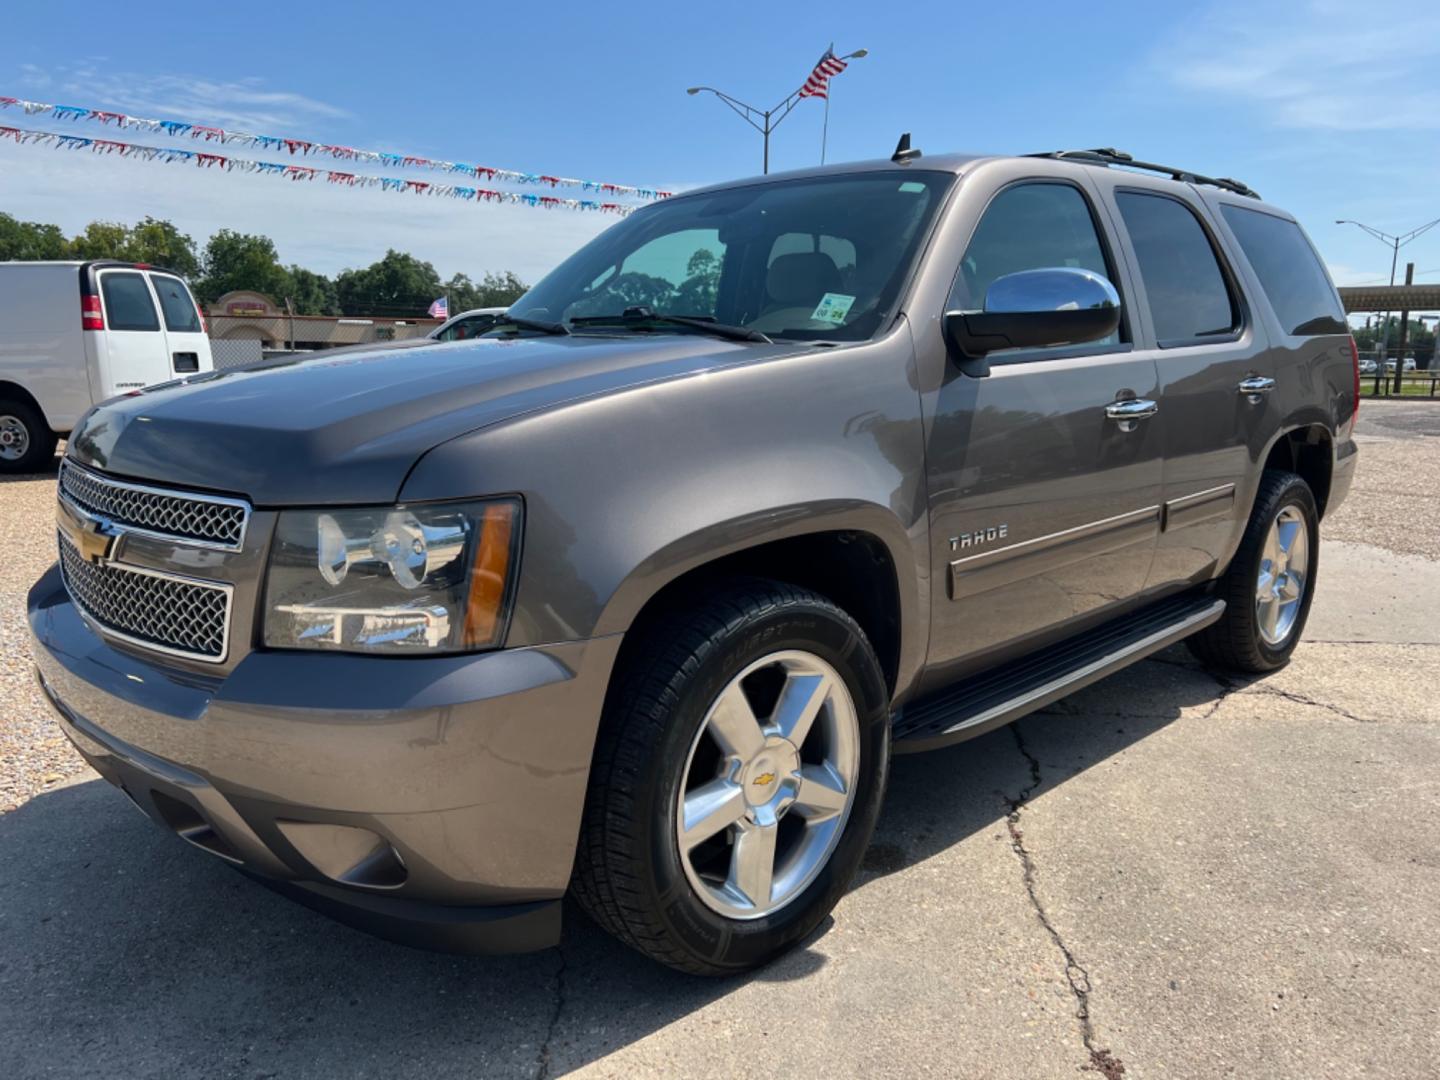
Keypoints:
pixel 1409 387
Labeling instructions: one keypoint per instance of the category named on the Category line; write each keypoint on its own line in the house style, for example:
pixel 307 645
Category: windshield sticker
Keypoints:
pixel 833 308
pixel 911 187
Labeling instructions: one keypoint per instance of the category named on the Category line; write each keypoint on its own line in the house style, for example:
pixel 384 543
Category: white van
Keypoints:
pixel 75 333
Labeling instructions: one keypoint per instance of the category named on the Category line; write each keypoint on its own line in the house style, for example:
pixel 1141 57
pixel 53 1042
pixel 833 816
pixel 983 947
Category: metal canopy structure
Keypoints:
pixel 1390 298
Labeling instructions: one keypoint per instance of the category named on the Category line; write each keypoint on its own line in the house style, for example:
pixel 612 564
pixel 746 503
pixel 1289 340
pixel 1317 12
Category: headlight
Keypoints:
pixel 396 579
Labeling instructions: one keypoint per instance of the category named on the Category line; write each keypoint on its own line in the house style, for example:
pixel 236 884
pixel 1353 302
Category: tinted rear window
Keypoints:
pixel 127 302
pixel 1184 285
pixel 1289 271
pixel 180 316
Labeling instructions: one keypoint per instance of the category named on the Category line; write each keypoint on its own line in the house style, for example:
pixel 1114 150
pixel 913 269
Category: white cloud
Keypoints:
pixel 246 105
pixel 1322 64
pixel 1344 274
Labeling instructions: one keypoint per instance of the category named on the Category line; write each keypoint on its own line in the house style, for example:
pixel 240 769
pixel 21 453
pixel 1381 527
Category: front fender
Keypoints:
pixel 762 526
pixel 627 491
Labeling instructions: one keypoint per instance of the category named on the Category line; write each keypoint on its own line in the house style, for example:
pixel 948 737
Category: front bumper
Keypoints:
pixel 436 801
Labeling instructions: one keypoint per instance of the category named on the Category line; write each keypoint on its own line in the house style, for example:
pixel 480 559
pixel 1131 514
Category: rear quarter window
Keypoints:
pixel 127 302
pixel 1186 289
pixel 175 301
pixel 1289 271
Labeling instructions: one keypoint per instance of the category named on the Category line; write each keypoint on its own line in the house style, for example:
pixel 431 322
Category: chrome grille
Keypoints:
pixel 158 611
pixel 207 519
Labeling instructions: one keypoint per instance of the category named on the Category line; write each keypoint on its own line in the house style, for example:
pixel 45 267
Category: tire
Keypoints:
pixel 661 735
pixel 1244 639
pixel 27 444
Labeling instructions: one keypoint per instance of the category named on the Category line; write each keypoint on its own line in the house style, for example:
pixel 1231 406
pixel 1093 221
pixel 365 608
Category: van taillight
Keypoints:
pixel 91 317
pixel 201 312
pixel 1355 363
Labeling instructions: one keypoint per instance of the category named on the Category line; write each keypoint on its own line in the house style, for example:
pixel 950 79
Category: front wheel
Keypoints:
pixel 738 775
pixel 1270 583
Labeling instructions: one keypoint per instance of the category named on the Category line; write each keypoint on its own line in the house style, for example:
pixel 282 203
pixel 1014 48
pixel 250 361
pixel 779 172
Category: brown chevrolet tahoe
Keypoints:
pixel 635 595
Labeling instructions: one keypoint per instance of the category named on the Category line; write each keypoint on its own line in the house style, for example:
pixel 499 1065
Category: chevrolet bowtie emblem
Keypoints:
pixel 93 544
pixel 89 535
pixel 763 779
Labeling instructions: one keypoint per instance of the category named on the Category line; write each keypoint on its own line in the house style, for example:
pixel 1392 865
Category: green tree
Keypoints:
pixel 236 260
pixel 102 240
pixel 498 290
pixel 697 293
pixel 399 284
pixel 312 293
pixel 160 243
pixel 30 240
pixel 493 290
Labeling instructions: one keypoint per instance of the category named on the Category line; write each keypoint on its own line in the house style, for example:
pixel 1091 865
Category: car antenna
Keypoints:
pixel 903 154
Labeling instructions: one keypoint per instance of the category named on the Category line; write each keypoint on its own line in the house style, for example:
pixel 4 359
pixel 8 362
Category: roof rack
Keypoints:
pixel 1109 156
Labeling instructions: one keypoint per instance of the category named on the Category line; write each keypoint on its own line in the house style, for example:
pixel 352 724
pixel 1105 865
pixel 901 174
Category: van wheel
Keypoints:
pixel 26 442
pixel 738 774
pixel 1270 583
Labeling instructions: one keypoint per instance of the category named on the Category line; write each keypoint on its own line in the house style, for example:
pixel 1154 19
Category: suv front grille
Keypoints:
pixel 206 519
pixel 158 611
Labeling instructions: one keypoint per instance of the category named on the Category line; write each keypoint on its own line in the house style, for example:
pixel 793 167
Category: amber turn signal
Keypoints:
pixel 490 575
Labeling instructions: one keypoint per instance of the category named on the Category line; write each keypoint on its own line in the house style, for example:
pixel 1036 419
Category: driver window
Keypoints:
pixel 1031 226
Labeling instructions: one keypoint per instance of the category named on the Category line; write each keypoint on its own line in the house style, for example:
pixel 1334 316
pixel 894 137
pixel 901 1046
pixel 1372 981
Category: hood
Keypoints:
pixel 374 346
pixel 332 430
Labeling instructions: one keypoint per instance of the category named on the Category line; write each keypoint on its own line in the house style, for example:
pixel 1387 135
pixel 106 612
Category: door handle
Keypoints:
pixel 1127 412
pixel 1256 386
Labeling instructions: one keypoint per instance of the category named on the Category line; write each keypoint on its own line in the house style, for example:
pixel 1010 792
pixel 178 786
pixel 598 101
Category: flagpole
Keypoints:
pixel 825 130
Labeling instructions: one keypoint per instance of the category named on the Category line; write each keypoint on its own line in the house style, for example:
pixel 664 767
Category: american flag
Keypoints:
pixel 818 84
pixel 440 309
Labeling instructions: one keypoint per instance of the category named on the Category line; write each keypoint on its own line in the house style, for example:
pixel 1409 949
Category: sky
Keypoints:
pixel 1325 114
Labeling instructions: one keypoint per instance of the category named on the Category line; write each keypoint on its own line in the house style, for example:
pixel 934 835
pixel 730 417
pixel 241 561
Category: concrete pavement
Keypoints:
pixel 1167 874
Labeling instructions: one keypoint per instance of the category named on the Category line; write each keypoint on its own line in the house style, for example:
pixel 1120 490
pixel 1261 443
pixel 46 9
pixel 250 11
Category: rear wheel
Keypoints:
pixel 1270 583
pixel 737 778
pixel 26 442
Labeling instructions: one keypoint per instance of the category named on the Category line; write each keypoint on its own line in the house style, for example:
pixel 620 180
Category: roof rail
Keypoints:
pixel 1109 156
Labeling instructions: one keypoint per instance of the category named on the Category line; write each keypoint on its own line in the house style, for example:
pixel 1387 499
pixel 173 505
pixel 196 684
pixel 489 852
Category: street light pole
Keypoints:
pixel 1395 243
pixel 765 120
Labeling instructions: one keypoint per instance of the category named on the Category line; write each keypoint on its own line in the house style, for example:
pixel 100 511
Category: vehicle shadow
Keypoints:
pixel 123 950
pixel 47 471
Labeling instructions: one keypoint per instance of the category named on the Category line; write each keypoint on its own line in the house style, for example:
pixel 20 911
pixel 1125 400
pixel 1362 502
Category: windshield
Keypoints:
pixel 817 259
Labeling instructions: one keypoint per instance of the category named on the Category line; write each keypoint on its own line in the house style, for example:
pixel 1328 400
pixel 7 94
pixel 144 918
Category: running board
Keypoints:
pixel 975 706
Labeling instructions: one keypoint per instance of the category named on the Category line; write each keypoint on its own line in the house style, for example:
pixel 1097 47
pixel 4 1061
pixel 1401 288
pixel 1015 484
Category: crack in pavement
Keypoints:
pixel 1301 699
pixel 1369 641
pixel 1230 686
pixel 1101 1059
pixel 542 1063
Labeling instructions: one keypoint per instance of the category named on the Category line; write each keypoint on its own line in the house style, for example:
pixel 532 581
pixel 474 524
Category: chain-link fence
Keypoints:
pixel 228 354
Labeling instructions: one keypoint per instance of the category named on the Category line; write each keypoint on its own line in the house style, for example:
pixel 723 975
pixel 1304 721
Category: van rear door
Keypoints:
pixel 187 344
pixel 130 352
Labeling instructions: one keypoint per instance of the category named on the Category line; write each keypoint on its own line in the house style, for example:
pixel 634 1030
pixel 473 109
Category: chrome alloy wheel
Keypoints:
pixel 768 784
pixel 1284 575
pixel 14 438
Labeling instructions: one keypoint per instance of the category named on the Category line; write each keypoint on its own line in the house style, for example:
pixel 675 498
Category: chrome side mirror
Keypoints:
pixel 1034 309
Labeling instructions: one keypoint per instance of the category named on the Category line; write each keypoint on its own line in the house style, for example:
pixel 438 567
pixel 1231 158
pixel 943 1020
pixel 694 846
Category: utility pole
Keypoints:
pixel 766 121
pixel 1394 243
pixel 1404 332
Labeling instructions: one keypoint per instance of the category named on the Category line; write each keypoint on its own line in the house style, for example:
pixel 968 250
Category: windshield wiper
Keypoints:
pixel 529 324
pixel 635 316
